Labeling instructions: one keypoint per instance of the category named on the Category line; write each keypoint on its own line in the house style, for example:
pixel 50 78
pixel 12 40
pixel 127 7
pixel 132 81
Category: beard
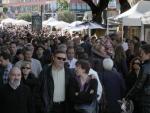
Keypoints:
pixel 14 83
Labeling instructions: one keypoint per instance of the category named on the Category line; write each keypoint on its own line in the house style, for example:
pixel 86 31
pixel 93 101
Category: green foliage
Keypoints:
pixel 25 16
pixel 66 16
pixel 5 9
pixel 62 5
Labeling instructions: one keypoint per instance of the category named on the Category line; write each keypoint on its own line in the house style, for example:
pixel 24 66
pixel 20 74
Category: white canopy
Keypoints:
pixel 21 22
pixel 132 17
pixel 8 21
pixel 51 19
pixel 146 18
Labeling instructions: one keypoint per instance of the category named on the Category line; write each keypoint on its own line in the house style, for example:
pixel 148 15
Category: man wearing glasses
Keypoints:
pixel 54 81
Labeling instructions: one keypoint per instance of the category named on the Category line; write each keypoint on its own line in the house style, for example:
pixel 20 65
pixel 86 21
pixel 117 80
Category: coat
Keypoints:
pixel 142 88
pixel 114 89
pixel 46 85
pixel 84 97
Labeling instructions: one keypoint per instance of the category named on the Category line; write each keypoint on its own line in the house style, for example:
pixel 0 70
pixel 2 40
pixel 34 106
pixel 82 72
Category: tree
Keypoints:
pixel 101 6
pixel 62 4
pixel 66 16
pixel 5 9
pixel 124 5
pixel 25 16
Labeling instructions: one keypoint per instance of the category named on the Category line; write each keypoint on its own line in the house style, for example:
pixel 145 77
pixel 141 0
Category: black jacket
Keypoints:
pixel 47 88
pixel 15 101
pixel 142 85
pixel 84 97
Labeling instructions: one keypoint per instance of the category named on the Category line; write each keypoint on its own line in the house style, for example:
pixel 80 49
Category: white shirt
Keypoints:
pixel 99 88
pixel 72 63
pixel 59 85
pixel 125 46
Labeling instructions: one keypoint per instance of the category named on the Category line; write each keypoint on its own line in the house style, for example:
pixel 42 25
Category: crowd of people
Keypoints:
pixel 43 72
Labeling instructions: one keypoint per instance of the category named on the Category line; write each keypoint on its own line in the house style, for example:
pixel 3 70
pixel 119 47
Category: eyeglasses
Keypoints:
pixel 26 68
pixel 60 58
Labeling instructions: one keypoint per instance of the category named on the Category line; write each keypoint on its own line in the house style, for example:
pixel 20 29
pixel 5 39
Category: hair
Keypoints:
pixel 84 65
pixel 12 69
pixel 113 36
pixel 25 49
pixel 13 43
pixel 136 38
pixel 28 47
pixel 108 64
pixel 119 54
pixel 24 63
pixel 146 48
pixel 57 51
pixel 40 46
pixel 62 47
pixel 83 56
pixel 70 47
pixel 132 62
pixel 143 42
pixel 5 55
pixel 130 41
pixel 19 51
pixel 86 37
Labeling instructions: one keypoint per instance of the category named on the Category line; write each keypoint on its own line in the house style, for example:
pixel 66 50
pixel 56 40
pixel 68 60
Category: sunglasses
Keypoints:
pixel 60 58
pixel 136 63
pixel 26 68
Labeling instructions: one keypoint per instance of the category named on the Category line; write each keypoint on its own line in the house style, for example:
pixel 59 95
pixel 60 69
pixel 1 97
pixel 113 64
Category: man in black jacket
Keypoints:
pixel 54 81
pixel 142 85
pixel 14 96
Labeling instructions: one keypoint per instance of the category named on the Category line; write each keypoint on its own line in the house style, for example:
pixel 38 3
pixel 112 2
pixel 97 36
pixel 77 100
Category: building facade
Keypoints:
pixel 47 6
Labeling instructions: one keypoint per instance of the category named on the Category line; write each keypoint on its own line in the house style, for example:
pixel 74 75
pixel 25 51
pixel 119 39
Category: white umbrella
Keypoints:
pixel 51 19
pixel 91 25
pixel 75 23
pixel 58 24
pixel 85 25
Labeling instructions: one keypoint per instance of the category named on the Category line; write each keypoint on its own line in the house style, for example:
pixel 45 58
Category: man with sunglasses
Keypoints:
pixel 54 81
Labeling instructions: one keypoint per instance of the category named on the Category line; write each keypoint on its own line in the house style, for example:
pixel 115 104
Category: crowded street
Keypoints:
pixel 49 65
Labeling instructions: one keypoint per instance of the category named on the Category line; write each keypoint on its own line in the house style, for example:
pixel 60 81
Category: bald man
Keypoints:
pixel 14 96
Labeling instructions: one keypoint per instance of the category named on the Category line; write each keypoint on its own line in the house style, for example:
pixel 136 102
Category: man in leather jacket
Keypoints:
pixel 142 85
pixel 54 82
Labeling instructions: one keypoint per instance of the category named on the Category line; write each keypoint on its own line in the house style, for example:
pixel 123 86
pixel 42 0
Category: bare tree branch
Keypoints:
pixel 91 5
pixel 124 5
pixel 102 4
